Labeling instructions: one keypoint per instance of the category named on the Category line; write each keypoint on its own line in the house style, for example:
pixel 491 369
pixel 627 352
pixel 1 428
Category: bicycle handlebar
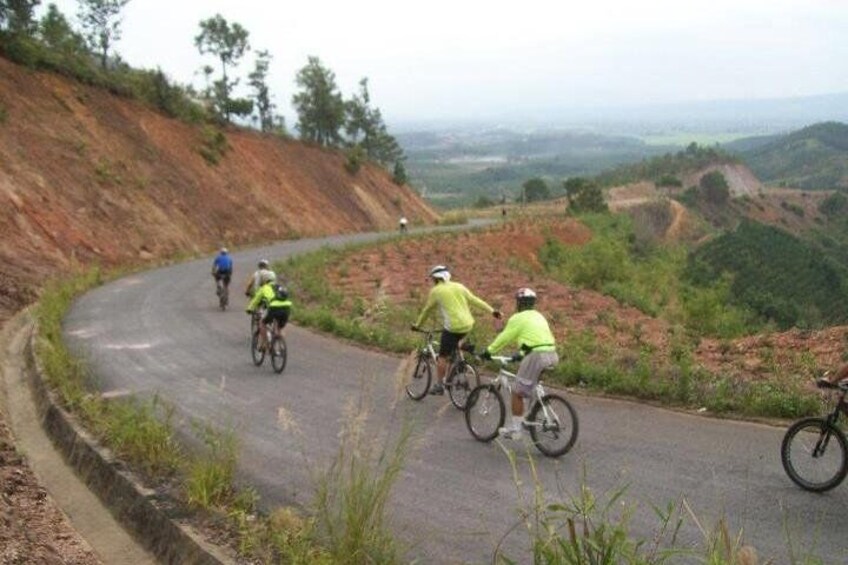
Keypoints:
pixel 841 385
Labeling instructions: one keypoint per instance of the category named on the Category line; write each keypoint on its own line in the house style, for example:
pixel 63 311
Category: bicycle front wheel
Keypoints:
pixel 461 380
pixel 419 383
pixel 553 425
pixel 815 454
pixel 279 354
pixel 255 351
pixel 485 412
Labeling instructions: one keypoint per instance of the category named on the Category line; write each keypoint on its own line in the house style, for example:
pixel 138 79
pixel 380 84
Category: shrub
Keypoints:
pixel 356 157
pixel 213 144
pixel 714 188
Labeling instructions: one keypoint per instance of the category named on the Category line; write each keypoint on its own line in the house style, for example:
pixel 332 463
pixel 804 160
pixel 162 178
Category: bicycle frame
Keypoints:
pixel 504 380
pixel 429 349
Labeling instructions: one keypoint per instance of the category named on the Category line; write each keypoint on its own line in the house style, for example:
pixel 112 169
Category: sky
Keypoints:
pixel 470 59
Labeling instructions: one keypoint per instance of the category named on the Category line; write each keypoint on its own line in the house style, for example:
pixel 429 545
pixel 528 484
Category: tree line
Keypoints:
pixel 324 116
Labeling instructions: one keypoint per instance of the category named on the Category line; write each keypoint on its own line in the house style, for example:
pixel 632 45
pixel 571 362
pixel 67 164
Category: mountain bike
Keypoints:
pixel 460 379
pixel 277 349
pixel 552 421
pixel 814 451
pixel 222 289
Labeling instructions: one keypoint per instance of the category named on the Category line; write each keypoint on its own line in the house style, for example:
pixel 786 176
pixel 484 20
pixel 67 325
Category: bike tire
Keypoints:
pixel 257 354
pixel 814 454
pixel 485 412
pixel 553 438
pixel 462 379
pixel 419 382
pixel 223 298
pixel 279 354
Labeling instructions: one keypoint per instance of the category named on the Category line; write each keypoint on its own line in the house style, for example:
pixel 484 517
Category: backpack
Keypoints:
pixel 280 292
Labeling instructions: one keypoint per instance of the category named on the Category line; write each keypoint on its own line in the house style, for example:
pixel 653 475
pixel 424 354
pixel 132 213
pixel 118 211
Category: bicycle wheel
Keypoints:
pixel 257 353
pixel 461 380
pixel 419 383
pixel 814 454
pixel 485 412
pixel 553 425
pixel 279 353
pixel 223 298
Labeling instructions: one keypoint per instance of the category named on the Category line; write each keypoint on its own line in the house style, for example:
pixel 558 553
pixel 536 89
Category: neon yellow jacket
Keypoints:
pixel 453 299
pixel 266 295
pixel 529 330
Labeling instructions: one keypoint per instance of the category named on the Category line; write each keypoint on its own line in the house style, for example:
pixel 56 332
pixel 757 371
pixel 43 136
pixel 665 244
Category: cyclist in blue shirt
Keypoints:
pixel 222 269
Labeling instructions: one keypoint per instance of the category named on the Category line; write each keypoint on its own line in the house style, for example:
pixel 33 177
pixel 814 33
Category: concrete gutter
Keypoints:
pixel 153 519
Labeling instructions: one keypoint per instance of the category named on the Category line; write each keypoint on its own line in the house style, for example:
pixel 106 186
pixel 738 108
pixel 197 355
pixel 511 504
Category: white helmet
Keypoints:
pixel 224 251
pixel 263 263
pixel 440 272
pixel 525 298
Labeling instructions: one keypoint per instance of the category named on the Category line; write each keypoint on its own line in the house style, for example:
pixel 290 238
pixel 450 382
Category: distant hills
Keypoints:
pixel 812 158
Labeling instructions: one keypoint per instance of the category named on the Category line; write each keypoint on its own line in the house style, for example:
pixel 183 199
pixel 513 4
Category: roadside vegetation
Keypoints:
pixel 635 270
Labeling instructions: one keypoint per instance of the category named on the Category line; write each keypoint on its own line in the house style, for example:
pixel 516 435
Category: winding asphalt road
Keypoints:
pixel 159 332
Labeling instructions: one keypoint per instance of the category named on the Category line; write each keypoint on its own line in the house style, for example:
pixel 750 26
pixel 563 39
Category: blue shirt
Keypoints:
pixel 223 264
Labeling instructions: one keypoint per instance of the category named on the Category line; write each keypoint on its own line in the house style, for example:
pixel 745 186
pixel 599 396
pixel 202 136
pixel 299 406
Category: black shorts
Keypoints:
pixel 224 276
pixel 281 314
pixel 449 342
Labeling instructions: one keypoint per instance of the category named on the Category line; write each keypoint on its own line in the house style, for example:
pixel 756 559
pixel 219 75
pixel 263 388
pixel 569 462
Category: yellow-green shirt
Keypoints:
pixel 529 330
pixel 267 295
pixel 453 300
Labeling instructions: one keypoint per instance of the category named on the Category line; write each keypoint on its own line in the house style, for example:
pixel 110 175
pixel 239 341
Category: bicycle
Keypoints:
pixel 814 451
pixel 257 315
pixel 552 421
pixel 277 347
pixel 461 376
pixel 222 289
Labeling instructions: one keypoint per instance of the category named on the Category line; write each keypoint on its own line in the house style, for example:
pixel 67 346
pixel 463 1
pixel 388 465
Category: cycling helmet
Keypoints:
pixel 440 272
pixel 263 263
pixel 268 277
pixel 224 251
pixel 525 299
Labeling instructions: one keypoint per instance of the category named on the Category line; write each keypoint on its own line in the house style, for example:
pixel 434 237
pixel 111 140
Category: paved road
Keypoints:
pixel 160 332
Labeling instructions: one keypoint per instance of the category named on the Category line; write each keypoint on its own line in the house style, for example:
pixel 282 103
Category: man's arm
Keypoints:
pixel 508 335
pixel 478 302
pixel 425 312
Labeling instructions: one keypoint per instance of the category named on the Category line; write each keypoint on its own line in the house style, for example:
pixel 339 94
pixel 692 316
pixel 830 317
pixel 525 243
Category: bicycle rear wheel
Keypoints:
pixel 224 298
pixel 279 354
pixel 814 454
pixel 553 425
pixel 257 353
pixel 461 380
pixel 485 412
pixel 419 383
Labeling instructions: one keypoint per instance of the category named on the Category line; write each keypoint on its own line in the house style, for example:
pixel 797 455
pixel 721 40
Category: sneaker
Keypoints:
pixel 437 389
pixel 510 432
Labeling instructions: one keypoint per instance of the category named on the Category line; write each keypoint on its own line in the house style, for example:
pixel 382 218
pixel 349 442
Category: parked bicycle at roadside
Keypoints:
pixel 551 420
pixel 814 451
pixel 461 376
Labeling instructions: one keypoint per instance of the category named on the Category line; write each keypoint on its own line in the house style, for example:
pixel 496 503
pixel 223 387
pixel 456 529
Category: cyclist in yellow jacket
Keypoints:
pixel 453 300
pixel 528 329
pixel 275 297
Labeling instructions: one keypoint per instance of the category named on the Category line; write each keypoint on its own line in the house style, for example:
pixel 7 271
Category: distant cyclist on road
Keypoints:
pixel 402 224
pixel 278 303
pixel 222 269
pixel 529 330
pixel 255 280
pixel 452 300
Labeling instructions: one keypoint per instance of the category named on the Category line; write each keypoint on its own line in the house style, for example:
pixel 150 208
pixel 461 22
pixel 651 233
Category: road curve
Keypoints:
pixel 159 332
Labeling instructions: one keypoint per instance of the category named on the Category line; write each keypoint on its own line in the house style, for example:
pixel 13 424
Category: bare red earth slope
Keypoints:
pixel 86 176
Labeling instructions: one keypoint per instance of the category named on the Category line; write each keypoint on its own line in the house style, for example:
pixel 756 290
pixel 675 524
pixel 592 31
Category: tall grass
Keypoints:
pixel 353 493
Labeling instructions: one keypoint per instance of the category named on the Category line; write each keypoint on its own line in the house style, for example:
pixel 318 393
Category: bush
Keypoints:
pixel 356 157
pixel 213 144
pixel 714 188
pixel 834 205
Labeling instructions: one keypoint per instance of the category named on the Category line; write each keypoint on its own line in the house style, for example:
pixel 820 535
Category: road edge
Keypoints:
pixel 136 507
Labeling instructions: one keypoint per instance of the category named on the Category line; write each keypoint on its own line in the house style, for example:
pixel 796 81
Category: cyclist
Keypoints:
pixel 275 297
pixel 453 300
pixel 222 269
pixel 402 224
pixel 529 329
pixel 838 377
pixel 255 280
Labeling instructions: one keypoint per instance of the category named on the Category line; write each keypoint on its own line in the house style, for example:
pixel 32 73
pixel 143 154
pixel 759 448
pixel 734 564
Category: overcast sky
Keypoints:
pixel 438 59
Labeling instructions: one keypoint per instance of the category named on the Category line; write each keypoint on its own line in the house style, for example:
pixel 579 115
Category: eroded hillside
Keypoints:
pixel 89 177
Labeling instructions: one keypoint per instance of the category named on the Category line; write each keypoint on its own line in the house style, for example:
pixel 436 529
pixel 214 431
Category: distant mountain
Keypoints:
pixel 813 158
